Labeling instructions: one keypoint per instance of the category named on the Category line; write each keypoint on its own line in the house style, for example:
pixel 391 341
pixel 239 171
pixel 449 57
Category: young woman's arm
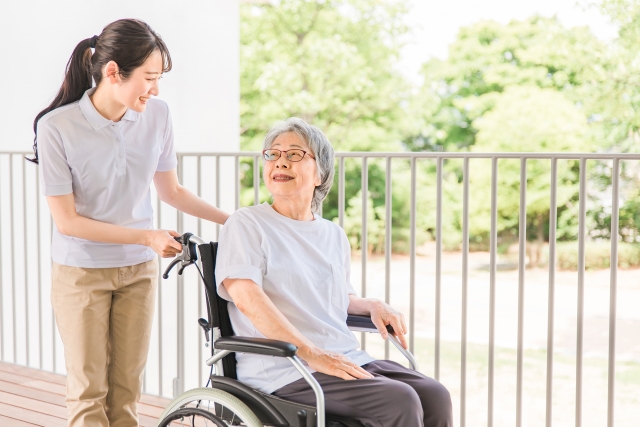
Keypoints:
pixel 171 192
pixel 68 222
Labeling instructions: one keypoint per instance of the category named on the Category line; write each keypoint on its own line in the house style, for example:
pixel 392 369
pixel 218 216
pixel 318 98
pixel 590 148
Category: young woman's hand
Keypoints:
pixel 335 364
pixel 163 243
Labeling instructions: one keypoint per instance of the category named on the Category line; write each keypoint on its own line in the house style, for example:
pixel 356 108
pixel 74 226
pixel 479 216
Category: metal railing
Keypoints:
pixel 19 206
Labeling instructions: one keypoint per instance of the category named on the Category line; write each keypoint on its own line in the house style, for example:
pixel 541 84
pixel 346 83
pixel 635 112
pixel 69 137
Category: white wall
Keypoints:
pixel 203 92
pixel 203 89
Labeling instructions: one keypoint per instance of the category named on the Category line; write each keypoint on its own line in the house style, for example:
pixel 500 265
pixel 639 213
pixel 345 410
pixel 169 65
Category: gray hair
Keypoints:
pixel 320 148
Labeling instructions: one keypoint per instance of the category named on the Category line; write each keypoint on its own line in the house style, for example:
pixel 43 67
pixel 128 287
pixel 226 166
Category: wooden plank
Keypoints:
pixel 57 399
pixel 33 383
pixel 12 422
pixel 33 373
pixel 33 405
pixel 31 416
pixel 33 393
pixel 22 387
pixel 38 375
pixel 151 411
pixel 158 401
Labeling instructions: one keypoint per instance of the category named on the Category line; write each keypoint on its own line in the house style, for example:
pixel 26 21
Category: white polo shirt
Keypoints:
pixel 109 167
pixel 304 268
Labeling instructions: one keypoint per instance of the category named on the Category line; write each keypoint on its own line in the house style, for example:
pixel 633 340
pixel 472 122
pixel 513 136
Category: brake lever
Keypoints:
pixel 187 257
pixel 176 260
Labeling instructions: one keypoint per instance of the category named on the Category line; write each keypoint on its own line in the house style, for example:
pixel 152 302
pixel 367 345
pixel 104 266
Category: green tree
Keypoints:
pixel 523 118
pixel 488 57
pixel 329 62
pixel 617 100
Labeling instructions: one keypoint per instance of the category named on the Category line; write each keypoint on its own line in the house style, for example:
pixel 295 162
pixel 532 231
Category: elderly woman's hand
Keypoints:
pixel 383 314
pixel 330 363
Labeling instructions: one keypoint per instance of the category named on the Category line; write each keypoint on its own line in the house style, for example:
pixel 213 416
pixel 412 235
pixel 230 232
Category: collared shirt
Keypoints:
pixel 304 269
pixel 108 166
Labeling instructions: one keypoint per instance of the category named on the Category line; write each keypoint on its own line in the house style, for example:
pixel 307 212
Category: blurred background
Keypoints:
pixel 472 77
pixel 496 76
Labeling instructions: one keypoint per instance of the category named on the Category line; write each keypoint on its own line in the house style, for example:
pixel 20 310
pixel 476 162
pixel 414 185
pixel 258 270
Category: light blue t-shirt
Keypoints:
pixel 109 167
pixel 304 268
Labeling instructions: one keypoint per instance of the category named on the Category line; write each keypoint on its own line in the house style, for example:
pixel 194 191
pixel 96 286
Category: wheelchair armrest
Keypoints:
pixel 360 323
pixel 261 346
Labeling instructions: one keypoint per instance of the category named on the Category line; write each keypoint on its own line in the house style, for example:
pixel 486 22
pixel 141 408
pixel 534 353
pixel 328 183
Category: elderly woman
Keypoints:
pixel 285 272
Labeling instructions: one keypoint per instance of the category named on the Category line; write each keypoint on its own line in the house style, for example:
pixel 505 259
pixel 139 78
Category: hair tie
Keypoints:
pixel 94 39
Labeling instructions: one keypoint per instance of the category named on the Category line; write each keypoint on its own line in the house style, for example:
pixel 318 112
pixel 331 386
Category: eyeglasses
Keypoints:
pixel 294 155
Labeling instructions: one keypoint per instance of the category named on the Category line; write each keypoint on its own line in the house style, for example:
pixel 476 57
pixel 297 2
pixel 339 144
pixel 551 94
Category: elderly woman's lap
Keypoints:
pixel 396 396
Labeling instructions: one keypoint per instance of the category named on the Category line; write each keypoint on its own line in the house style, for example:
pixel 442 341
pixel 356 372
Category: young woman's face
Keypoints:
pixel 141 84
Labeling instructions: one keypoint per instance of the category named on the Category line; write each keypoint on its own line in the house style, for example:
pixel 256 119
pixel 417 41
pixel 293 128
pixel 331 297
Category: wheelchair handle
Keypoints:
pixel 188 256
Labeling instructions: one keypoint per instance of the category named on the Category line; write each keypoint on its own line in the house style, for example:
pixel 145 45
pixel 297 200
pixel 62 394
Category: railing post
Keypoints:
pixel 493 246
pixel 387 242
pixel 178 386
pixel 465 286
pixel 159 295
pixel 439 164
pixel 38 218
pixel 363 236
pixel 412 267
pixel 521 273
pixel 582 217
pixel 613 289
pixel 25 254
pixel 341 201
pixel 13 262
pixel 553 219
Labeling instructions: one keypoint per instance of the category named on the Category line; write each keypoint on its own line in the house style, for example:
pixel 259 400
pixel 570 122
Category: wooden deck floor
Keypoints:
pixel 30 397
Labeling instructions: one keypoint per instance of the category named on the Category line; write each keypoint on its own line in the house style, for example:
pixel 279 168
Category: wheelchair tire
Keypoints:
pixel 219 397
pixel 181 414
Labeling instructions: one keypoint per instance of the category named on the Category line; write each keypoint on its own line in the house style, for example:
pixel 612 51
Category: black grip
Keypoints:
pixel 262 346
pixel 360 321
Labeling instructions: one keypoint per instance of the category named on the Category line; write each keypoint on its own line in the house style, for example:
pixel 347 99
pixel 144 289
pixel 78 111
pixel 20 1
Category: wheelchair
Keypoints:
pixel 226 401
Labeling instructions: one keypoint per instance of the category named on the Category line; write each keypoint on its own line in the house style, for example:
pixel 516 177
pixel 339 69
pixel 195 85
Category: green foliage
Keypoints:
pixel 597 255
pixel 526 86
pixel 514 124
pixel 330 63
pixel 487 58
pixel 616 99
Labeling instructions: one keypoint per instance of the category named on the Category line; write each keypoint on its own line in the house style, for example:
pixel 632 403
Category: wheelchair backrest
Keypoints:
pixel 216 307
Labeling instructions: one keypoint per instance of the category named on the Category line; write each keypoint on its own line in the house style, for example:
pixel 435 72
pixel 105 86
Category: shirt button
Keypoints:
pixel 120 155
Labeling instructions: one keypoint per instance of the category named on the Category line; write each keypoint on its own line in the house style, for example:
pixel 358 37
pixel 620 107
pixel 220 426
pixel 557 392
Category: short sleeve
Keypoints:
pixel 241 252
pixel 168 159
pixel 55 174
pixel 346 248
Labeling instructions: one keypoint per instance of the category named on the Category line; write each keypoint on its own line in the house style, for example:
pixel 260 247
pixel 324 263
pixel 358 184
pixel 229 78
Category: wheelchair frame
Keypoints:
pixel 271 410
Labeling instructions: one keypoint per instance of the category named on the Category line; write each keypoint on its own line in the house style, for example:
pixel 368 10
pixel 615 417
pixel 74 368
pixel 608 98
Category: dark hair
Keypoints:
pixel 127 42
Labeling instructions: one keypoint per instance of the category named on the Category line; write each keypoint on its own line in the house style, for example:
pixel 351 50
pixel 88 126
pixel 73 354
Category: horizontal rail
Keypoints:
pixel 422 155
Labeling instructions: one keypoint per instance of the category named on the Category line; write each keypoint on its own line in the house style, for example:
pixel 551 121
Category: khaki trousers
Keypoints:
pixel 104 316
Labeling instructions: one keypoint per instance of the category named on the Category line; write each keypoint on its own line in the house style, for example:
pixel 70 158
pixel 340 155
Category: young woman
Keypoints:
pixel 99 149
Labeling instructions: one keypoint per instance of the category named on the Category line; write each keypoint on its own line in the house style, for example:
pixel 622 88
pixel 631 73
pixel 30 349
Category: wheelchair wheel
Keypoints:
pixel 225 408
pixel 193 417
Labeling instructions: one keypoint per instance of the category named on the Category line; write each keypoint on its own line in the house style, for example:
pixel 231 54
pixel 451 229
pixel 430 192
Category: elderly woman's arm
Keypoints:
pixel 265 316
pixel 382 314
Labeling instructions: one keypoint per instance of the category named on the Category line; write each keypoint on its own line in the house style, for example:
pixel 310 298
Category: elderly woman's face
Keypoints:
pixel 286 179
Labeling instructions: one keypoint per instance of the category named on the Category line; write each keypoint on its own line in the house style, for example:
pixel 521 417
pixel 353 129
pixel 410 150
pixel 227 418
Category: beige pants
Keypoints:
pixel 104 316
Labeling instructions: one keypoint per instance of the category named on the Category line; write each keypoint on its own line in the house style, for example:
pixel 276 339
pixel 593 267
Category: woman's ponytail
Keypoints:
pixel 127 42
pixel 77 80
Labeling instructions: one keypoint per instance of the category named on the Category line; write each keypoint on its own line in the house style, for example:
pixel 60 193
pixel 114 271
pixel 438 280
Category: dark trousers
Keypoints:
pixel 396 397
